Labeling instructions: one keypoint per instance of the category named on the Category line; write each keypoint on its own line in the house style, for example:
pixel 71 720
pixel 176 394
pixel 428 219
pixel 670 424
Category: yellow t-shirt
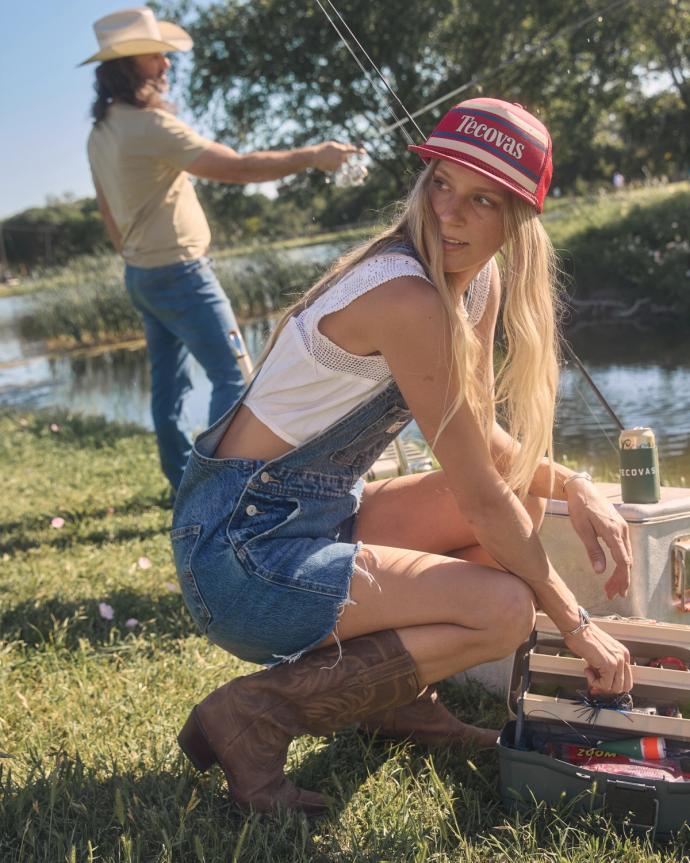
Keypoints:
pixel 138 158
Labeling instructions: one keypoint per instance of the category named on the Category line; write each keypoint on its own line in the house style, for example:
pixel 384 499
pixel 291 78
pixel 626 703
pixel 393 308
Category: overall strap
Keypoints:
pixel 402 247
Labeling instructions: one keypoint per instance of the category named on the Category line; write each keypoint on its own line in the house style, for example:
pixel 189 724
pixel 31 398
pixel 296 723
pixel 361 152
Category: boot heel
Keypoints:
pixel 193 743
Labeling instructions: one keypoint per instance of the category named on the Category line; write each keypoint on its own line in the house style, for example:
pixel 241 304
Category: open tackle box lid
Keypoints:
pixel 549 662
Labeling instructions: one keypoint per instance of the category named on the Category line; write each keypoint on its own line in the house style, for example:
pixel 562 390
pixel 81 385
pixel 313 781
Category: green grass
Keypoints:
pixel 109 266
pixel 89 305
pixel 345 236
pixel 565 218
pixel 89 767
pixel 628 247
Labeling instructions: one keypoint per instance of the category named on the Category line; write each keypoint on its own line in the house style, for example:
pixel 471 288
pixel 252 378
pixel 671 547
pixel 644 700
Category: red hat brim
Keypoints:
pixel 428 153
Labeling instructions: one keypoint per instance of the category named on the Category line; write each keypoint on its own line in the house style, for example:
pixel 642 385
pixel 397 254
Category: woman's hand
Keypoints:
pixel 608 661
pixel 594 518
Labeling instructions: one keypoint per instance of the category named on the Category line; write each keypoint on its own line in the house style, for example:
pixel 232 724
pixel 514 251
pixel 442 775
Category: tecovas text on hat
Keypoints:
pixel 498 139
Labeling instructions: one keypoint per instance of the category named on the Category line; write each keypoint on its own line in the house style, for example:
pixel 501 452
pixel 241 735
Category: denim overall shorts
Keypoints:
pixel 263 549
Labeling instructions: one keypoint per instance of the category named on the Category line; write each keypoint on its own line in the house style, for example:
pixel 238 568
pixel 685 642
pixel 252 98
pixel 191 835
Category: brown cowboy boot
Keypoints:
pixel 248 724
pixel 426 720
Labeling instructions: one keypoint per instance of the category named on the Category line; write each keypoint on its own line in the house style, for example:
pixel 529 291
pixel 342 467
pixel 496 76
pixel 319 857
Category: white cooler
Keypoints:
pixel 660 584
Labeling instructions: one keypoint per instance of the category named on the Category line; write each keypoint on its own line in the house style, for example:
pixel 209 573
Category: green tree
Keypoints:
pixel 274 73
pixel 53 234
pixel 658 127
pixel 662 42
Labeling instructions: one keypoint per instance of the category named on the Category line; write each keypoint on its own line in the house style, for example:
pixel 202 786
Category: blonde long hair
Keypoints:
pixel 525 387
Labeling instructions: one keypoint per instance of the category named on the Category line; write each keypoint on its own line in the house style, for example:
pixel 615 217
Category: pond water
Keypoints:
pixel 645 376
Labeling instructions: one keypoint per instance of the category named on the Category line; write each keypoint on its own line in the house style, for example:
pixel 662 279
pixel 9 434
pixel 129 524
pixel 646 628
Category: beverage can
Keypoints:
pixel 637 438
pixel 639 466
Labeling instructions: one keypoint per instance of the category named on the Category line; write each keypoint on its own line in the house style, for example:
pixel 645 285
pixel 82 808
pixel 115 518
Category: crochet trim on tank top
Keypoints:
pixel 371 273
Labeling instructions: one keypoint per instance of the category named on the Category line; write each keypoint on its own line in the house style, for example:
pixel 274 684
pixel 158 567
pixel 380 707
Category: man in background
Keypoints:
pixel 141 156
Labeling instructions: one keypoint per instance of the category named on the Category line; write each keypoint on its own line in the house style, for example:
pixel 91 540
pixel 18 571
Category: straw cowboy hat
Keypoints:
pixel 136 31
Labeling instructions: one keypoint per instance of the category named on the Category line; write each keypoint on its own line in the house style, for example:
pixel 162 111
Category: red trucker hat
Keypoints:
pixel 499 140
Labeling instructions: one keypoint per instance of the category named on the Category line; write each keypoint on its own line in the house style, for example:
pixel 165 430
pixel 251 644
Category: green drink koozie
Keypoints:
pixel 639 474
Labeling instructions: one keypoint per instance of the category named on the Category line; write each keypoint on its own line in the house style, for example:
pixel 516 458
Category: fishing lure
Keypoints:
pixel 591 706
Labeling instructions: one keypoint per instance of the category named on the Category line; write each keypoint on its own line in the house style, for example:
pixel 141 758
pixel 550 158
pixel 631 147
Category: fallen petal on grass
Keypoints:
pixel 172 587
pixel 144 563
pixel 106 611
pixel 131 622
pixel 57 522
pixel 55 428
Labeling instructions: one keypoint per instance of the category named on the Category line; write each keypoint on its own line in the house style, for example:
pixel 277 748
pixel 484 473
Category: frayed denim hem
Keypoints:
pixel 362 567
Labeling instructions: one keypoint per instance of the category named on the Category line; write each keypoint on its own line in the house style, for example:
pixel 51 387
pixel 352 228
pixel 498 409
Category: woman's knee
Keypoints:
pixel 514 613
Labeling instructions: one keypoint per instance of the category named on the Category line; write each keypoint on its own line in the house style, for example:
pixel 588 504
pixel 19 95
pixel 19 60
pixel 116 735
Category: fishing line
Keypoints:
pixel 528 49
pixel 376 69
pixel 366 74
pixel 596 418
pixel 573 356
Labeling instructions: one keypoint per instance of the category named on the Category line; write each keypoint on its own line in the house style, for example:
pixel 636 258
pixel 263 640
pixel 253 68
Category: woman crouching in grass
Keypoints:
pixel 360 598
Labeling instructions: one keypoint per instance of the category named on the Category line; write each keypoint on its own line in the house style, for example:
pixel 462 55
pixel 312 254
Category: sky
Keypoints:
pixel 45 98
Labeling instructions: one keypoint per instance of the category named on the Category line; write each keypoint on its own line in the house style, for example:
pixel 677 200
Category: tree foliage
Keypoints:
pixel 611 78
pixel 274 73
pixel 53 234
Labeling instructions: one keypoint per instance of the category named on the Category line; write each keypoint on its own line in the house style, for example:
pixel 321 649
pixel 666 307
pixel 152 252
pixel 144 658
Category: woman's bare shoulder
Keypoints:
pixel 398 301
pixel 407 323
pixel 380 315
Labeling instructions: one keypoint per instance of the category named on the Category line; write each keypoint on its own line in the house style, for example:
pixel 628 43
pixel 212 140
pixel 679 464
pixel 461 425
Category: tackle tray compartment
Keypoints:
pixel 545 681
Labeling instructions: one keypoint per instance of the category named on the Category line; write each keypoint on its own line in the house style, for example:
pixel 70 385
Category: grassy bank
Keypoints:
pixel 110 265
pixel 89 305
pixel 88 761
pixel 629 246
pixel 339 238
pixel 628 249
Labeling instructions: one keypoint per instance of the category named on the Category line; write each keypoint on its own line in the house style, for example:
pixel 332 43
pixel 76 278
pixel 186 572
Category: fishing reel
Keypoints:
pixel 353 172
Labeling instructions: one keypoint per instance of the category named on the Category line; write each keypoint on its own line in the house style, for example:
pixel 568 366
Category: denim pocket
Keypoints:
pixel 184 541
pixel 366 447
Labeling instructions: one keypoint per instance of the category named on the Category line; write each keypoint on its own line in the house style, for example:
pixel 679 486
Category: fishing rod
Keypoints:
pixel 410 117
pixel 398 122
pixel 595 389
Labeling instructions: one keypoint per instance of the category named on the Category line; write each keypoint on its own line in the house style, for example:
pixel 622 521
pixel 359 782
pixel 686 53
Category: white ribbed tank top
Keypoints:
pixel 307 382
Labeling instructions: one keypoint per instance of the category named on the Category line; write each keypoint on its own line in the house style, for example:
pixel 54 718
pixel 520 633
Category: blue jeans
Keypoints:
pixel 186 314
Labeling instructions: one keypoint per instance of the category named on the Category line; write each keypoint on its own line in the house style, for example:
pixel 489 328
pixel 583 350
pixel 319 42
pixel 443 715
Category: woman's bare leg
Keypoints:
pixel 449 614
pixel 417 512
pixel 420 512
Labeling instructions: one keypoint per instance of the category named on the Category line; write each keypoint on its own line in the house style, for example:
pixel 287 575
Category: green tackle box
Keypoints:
pixel 545 676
